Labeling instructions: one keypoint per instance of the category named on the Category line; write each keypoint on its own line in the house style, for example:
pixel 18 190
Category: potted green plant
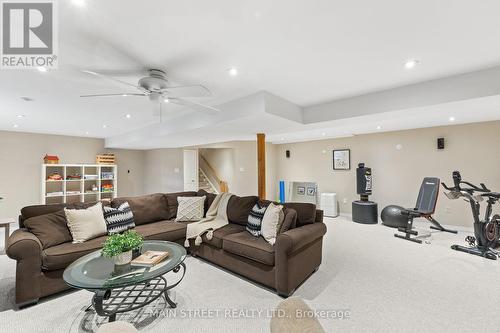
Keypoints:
pixel 119 247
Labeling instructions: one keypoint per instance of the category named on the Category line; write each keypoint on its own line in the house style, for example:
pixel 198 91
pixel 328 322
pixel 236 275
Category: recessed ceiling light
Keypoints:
pixel 233 71
pixel 16 126
pixel 166 100
pixel 21 116
pixel 104 126
pixel 379 128
pixel 79 3
pixel 87 133
pixel 124 95
pixel 451 119
pixel 411 63
pixel 42 69
pixel 323 134
pixel 128 116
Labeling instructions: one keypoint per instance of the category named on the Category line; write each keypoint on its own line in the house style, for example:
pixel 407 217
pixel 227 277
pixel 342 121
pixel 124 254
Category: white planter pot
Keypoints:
pixel 123 258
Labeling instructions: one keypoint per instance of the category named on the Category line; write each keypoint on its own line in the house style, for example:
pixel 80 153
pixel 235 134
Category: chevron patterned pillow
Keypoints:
pixel 118 219
pixel 255 219
pixel 190 209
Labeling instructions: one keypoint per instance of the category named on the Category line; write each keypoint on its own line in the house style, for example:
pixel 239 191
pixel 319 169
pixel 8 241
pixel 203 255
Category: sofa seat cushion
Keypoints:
pixel 163 230
pixel 220 233
pixel 248 246
pixel 60 256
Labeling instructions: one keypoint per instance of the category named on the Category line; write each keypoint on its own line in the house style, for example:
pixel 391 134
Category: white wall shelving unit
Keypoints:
pixel 103 177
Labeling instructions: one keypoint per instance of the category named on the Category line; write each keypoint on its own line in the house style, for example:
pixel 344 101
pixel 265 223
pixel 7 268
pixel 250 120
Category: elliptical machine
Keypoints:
pixel 487 230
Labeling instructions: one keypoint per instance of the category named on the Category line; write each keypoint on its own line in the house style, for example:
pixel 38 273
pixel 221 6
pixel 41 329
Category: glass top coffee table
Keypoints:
pixel 119 289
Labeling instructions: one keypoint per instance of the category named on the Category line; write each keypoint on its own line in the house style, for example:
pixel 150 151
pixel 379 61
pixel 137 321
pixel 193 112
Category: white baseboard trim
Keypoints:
pixel 346 215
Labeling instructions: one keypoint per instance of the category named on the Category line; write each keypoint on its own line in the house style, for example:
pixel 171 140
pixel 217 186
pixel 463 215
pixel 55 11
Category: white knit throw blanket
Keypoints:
pixel 216 218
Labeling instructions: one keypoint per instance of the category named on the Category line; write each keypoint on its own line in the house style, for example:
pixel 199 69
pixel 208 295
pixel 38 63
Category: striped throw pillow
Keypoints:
pixel 118 219
pixel 255 219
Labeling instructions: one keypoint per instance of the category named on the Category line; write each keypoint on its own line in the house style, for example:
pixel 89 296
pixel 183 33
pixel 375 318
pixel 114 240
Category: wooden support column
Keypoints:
pixel 261 165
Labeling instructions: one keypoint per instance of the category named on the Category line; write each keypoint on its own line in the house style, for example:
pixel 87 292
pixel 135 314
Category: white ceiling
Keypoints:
pixel 307 52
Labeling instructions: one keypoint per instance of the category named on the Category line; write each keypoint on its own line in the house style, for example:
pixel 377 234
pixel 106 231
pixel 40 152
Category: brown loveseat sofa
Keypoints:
pixel 283 267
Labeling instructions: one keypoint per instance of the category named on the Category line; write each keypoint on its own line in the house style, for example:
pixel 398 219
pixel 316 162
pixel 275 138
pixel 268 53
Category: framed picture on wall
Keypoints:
pixel 342 159
pixel 311 191
pixel 301 190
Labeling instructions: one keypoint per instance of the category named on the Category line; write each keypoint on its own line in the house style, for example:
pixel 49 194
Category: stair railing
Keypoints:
pixel 212 175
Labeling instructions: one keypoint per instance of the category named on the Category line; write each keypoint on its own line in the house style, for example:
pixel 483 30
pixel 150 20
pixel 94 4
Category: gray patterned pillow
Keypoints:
pixel 255 219
pixel 119 219
pixel 190 209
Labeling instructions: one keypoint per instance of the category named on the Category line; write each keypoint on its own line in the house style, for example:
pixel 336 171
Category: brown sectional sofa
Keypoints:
pixel 283 267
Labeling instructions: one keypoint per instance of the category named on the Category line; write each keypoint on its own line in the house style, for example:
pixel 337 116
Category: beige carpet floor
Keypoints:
pixel 386 284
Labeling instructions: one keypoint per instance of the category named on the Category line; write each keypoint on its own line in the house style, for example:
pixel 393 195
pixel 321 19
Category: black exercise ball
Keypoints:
pixel 391 216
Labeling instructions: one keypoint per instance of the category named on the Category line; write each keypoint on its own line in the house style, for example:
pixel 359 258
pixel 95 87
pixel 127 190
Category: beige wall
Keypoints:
pixel 21 156
pixel 472 149
pixel 160 166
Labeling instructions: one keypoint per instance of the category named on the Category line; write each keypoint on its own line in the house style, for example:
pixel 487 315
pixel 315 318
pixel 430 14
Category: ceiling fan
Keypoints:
pixel 156 87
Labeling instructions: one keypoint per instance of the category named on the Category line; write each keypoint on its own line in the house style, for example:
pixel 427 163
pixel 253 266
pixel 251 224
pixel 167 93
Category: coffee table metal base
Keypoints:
pixel 109 302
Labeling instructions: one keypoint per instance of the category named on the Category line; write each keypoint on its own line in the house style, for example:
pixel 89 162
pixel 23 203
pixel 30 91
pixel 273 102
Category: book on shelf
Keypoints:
pixel 149 258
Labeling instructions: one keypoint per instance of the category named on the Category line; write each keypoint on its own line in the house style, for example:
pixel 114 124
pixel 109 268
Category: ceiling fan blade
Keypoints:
pixel 106 77
pixel 113 95
pixel 194 106
pixel 187 91
pixel 119 72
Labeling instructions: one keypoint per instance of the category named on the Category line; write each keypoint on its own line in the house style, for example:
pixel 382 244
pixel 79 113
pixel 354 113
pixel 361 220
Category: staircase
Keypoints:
pixel 204 183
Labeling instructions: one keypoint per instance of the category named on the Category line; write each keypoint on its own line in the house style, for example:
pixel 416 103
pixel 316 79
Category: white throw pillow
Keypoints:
pixel 85 224
pixel 190 208
pixel 273 217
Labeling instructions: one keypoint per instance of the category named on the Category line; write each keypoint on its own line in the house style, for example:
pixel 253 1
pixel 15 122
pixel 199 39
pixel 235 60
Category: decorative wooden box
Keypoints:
pixel 48 159
pixel 105 159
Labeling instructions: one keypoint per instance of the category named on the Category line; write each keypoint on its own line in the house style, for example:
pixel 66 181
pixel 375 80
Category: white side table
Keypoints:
pixel 328 204
pixel 5 223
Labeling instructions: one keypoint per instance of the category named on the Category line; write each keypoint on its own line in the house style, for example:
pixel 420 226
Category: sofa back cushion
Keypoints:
pixel 306 212
pixel 37 210
pixel 238 209
pixel 209 198
pixel 51 229
pixel 172 203
pixel 146 208
pixel 290 220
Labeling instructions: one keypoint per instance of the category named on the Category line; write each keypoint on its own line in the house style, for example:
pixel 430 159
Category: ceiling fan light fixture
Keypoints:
pixel 233 71
pixel 411 63
pixel 79 3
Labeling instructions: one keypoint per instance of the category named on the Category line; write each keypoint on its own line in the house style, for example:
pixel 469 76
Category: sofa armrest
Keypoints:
pixel 23 244
pixel 26 249
pixel 298 254
pixel 295 239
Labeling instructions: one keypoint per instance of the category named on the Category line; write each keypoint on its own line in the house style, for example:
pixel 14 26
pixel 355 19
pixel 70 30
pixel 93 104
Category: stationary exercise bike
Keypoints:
pixel 487 230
